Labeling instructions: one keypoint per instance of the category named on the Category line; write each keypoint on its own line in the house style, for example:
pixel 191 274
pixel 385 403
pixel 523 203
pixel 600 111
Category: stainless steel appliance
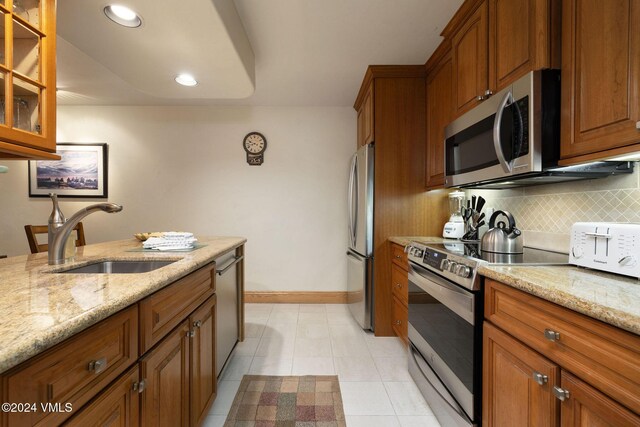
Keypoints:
pixel 606 246
pixel 445 324
pixel 360 250
pixel 502 238
pixel 227 307
pixel 513 139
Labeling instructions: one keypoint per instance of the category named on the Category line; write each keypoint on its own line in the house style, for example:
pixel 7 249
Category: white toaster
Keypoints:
pixel 606 246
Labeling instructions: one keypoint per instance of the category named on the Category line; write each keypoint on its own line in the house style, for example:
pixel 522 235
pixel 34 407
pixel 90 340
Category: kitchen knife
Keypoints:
pixel 480 204
pixel 473 202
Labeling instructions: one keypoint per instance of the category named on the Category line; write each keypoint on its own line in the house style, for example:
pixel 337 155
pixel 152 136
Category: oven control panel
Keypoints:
pixel 458 269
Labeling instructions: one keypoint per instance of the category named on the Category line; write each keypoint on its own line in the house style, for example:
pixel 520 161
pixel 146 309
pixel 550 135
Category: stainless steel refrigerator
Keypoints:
pixel 360 251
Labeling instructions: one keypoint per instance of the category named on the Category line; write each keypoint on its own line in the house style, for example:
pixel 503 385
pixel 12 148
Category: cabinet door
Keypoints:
pixel 517 383
pixel 600 77
pixel 28 79
pixel 439 115
pixel 165 369
pixel 203 361
pixel 469 50
pixel 365 119
pixel 587 406
pixel 117 406
pixel 400 320
pixel 524 35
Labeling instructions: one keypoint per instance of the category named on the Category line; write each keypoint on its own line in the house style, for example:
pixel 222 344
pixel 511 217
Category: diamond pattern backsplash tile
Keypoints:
pixel 556 213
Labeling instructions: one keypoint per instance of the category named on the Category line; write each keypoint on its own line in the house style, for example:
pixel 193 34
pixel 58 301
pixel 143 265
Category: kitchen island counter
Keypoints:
pixel 41 308
pixel 611 298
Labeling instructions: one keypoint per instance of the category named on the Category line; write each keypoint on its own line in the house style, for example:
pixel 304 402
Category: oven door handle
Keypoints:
pixel 452 296
pixel 457 409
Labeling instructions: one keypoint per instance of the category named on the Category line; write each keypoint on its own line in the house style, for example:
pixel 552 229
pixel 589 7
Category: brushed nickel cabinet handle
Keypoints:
pixel 191 334
pixel 398 322
pixel 97 366
pixel 140 386
pixel 540 378
pixel 560 393
pixel 552 335
pixel 197 323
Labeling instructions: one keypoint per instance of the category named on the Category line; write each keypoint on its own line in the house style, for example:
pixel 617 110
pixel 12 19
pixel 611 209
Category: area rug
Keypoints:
pixel 270 401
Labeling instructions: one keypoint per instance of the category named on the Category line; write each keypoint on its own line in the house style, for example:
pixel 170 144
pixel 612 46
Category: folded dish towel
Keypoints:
pixel 170 240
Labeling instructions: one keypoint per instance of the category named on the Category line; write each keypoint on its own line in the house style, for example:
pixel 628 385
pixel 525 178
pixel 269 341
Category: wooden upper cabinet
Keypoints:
pixel 439 114
pixel 365 118
pixel 28 74
pixel 469 53
pixel 600 79
pixel 524 35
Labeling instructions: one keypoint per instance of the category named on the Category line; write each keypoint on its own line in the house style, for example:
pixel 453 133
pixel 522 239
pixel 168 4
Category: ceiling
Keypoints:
pixel 243 52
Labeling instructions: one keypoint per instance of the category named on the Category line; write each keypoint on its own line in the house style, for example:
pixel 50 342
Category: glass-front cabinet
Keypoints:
pixel 28 79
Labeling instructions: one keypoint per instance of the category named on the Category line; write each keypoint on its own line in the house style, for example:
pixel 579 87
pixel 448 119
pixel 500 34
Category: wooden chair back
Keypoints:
pixel 33 230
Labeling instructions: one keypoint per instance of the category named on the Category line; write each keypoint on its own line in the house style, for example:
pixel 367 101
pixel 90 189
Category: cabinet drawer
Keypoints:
pixel 164 310
pixel 399 257
pixel 399 284
pixel 73 371
pixel 606 357
pixel 119 405
pixel 400 319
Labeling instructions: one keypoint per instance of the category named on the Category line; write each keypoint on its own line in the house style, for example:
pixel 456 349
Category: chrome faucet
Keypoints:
pixel 60 228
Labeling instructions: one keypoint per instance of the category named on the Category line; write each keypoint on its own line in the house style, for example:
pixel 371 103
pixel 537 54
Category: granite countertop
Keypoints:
pixel 611 298
pixel 40 309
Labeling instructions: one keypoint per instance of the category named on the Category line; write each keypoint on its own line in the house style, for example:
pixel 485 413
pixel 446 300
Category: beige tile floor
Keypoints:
pixel 323 339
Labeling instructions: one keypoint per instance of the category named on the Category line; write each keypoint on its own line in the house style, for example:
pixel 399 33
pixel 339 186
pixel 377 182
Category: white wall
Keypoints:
pixel 184 169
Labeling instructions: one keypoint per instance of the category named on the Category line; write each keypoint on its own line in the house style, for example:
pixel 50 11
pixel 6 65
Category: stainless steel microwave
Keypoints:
pixel 515 132
pixel 513 139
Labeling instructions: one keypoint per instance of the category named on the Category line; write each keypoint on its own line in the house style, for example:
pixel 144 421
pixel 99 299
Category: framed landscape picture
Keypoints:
pixel 82 172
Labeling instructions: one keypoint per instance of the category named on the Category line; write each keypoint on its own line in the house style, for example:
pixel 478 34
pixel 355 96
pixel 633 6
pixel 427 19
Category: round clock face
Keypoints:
pixel 255 143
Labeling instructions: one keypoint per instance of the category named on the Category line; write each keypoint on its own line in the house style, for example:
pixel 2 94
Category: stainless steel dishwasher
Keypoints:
pixel 227 307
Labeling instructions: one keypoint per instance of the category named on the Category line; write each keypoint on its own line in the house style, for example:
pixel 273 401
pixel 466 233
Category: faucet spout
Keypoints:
pixel 59 231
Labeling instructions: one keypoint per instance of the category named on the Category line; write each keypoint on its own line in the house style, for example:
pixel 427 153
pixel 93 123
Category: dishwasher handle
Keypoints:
pixel 233 262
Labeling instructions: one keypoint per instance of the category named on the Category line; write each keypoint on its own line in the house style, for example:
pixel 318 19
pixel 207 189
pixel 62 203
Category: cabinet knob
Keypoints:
pixel 552 335
pixel 486 95
pixel 139 386
pixel 397 257
pixel 191 334
pixel 97 366
pixel 560 393
pixel 197 323
pixel 398 322
pixel 398 285
pixel 540 378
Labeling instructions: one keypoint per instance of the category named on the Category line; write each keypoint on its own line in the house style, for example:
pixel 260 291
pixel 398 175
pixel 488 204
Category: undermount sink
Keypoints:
pixel 118 267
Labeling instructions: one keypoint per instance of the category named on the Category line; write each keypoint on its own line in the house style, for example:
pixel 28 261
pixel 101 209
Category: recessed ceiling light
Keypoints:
pixel 186 80
pixel 123 15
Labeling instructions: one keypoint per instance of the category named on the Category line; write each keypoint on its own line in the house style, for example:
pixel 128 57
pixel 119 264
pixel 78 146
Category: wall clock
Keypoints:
pixel 255 145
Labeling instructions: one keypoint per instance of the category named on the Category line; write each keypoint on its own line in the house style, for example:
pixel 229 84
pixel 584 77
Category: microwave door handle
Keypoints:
pixel 497 143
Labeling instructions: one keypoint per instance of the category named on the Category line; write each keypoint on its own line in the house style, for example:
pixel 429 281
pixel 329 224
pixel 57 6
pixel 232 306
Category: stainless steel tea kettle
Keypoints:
pixel 501 238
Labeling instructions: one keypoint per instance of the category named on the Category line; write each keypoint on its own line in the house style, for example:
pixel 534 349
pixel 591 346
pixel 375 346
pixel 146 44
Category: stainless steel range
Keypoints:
pixel 445 323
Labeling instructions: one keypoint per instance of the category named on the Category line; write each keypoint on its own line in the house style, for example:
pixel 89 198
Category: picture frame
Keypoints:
pixel 81 173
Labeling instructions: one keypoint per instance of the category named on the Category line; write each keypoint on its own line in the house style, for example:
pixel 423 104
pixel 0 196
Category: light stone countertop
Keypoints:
pixel 611 298
pixel 39 308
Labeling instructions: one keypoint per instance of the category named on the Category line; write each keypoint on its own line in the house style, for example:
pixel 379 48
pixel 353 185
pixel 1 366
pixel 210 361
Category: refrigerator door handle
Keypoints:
pixel 357 202
pixel 350 197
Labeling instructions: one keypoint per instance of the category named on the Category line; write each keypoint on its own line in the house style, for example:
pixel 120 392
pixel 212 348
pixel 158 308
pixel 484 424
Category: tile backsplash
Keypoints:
pixel 545 213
